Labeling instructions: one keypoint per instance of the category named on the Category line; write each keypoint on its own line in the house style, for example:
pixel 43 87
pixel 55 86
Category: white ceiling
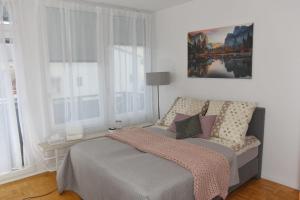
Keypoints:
pixel 148 5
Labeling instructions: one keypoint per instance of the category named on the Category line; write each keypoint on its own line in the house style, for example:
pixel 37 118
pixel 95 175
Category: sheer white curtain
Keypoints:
pixel 10 150
pixel 9 136
pixel 28 54
pixel 130 59
pixel 96 60
pixel 71 70
pixel 79 68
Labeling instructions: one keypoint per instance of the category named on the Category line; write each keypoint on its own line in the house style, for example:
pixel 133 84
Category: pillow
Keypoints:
pixel 189 127
pixel 184 105
pixel 177 118
pixel 214 107
pixel 232 120
pixel 207 123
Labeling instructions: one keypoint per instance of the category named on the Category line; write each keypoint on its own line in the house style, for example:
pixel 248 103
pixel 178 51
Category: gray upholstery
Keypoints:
pixel 256 128
pixel 253 168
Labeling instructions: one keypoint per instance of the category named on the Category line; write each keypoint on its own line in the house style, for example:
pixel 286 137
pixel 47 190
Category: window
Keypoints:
pixel 129 65
pixel 97 61
pixel 129 83
pixel 73 67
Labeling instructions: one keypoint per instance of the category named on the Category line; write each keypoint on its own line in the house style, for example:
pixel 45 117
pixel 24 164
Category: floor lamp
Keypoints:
pixel 157 79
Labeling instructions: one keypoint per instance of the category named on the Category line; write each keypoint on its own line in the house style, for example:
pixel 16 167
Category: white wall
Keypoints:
pixel 276 69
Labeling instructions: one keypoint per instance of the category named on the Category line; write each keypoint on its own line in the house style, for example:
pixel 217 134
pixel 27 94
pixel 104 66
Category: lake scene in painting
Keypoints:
pixel 221 52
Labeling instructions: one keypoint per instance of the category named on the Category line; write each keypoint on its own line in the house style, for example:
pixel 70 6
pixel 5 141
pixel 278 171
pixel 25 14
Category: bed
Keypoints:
pixel 105 169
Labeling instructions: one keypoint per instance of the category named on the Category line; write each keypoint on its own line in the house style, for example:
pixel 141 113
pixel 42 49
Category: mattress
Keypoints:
pixel 247 155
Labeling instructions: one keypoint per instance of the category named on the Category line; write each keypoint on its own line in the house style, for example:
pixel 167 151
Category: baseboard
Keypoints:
pixel 276 180
pixel 20 174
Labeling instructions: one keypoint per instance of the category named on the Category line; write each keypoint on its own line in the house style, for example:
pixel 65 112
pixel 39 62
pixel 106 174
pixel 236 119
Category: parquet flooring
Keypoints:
pixel 33 186
pixel 264 190
pixel 44 183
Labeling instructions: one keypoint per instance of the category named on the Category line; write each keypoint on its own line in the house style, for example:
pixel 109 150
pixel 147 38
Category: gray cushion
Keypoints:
pixel 189 127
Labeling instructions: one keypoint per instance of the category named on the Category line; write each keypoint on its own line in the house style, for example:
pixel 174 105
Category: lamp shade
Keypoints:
pixel 158 78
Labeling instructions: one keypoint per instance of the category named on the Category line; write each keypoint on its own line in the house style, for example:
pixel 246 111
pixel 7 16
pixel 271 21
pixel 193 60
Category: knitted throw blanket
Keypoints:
pixel 209 169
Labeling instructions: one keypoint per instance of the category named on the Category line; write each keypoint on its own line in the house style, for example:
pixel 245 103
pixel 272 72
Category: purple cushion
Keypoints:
pixel 207 123
pixel 177 118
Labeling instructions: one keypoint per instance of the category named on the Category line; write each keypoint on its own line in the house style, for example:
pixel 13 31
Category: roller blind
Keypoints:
pixel 79 36
pixel 128 31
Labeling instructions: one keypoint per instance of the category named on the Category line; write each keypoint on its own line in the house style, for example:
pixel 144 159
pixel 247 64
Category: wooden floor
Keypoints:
pixel 44 183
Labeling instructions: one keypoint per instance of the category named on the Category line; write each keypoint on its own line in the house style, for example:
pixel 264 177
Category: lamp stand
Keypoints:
pixel 158 108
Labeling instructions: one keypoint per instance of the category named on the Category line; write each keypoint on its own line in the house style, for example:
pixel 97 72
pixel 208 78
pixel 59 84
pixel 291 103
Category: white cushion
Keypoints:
pixel 184 105
pixel 233 118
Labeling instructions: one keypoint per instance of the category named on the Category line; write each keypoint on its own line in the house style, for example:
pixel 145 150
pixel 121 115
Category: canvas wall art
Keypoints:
pixel 224 52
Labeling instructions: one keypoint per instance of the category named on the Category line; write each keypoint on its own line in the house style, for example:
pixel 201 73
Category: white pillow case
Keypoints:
pixel 233 118
pixel 184 105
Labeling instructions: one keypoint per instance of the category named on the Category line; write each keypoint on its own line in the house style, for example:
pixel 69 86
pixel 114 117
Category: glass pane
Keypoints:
pixel 89 107
pixel 77 82
pixel 61 111
pixel 130 79
pixel 10 67
pixel 13 79
pixel 141 69
pixel 4 14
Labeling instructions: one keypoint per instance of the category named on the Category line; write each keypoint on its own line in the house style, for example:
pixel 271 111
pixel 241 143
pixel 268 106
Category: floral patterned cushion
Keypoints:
pixel 214 107
pixel 232 121
pixel 184 105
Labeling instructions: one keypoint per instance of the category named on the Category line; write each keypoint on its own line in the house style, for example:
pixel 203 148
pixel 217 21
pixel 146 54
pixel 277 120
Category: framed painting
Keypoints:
pixel 224 52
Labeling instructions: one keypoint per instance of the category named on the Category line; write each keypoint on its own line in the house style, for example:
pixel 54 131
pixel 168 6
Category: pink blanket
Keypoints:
pixel 209 169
